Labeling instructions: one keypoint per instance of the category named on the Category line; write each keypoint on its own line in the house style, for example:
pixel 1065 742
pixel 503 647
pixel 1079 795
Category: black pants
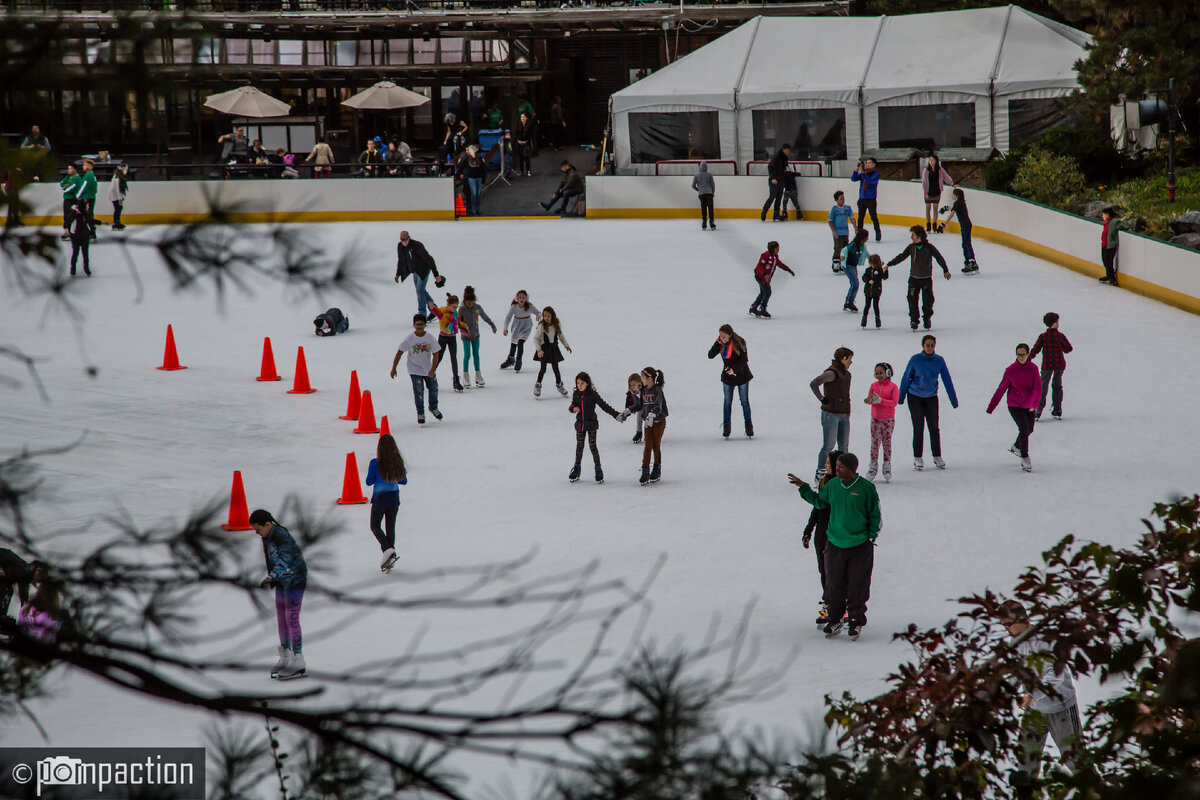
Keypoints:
pixel 88 208
pixel 1052 378
pixel 866 206
pixel 924 412
pixel 79 244
pixel 776 197
pixel 68 212
pixel 553 365
pixel 1108 255
pixel 591 437
pixel 117 214
pixel 524 157
pixel 516 351
pixel 387 541
pixel 449 345
pixel 867 307
pixel 1024 419
pixel 820 545
pixel 848 572
pixel 922 287
pixel 706 208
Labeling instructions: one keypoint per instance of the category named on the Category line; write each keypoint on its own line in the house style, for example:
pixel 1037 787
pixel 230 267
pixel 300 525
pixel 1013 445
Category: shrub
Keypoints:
pixel 1048 178
pixel 998 174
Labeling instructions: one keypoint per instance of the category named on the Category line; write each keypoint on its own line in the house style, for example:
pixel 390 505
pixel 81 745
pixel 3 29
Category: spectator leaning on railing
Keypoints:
pixel 322 153
pixel 36 140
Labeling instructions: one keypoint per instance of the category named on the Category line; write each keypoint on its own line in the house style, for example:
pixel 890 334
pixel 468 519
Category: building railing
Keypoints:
pixel 423 168
pixel 819 165
pixel 695 163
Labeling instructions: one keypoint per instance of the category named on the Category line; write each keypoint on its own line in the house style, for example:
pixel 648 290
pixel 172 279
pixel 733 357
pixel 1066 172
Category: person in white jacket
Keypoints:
pixel 118 188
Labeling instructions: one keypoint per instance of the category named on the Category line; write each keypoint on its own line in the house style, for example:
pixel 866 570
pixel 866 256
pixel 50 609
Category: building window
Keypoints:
pixel 1029 119
pixel 670 136
pixel 291 53
pixel 815 134
pixel 927 127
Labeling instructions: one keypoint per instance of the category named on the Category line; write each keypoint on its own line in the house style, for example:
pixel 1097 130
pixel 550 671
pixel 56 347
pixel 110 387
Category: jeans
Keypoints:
pixel 470 347
pixel 743 395
pixel 852 276
pixel 775 196
pixel 968 250
pixel 833 428
pixel 793 196
pixel 706 208
pixel 117 214
pixel 865 206
pixel 566 197
pixel 423 298
pixel 921 288
pixel 924 411
pixel 419 382
pixel 1024 419
pixel 1051 377
pixel 476 185
pixel 287 615
pixel 764 296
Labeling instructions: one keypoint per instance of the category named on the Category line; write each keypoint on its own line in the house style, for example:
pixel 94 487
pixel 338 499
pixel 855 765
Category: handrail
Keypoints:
pixel 224 170
pixel 697 161
pixel 820 166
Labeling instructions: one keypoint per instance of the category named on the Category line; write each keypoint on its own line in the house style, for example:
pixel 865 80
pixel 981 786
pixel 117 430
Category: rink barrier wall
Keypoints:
pixel 1150 267
pixel 262 200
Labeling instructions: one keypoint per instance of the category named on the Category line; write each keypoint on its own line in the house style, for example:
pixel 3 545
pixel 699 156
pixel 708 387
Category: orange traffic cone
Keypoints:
pixel 239 512
pixel 460 208
pixel 383 426
pixel 170 356
pixel 352 492
pixel 267 372
pixel 355 396
pixel 300 384
pixel 366 415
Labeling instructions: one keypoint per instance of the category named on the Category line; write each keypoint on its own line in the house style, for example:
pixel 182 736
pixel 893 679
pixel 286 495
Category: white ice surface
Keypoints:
pixel 489 482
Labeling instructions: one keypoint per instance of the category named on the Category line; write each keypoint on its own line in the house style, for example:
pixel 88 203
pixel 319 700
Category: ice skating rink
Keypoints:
pixel 489 482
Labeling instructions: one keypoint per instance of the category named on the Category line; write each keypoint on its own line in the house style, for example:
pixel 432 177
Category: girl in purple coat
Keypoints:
pixel 1023 383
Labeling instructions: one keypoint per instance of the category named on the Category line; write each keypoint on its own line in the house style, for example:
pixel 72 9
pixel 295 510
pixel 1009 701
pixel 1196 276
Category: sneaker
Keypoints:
pixel 1026 464
pixel 645 479
pixel 599 474
pixel 436 414
pixel 294 669
pixel 656 473
pixel 872 470
pixel 937 462
pixel 918 463
pixel 574 476
pixel 833 629
pixel 823 614
pixel 887 472
pixel 420 419
pixel 637 437
pixel 855 631
pixel 537 390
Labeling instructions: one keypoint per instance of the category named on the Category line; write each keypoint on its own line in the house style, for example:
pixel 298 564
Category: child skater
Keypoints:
pixel 854 256
pixel 882 397
pixel 874 274
pixel 764 271
pixel 631 400
pixel 469 315
pixel 818 524
pixel 652 407
pixel 1053 346
pixel 521 314
pixel 546 337
pixel 386 473
pixel 583 406
pixel 959 209
pixel 448 333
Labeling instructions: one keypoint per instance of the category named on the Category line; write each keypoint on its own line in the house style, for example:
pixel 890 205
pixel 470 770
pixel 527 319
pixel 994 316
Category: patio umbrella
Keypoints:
pixel 248 102
pixel 385 95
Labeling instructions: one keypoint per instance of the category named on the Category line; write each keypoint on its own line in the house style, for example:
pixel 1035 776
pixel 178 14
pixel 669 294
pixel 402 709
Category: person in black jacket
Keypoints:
pixel 776 181
pixel 735 374
pixel 583 405
pixel 818 522
pixel 413 259
pixel 331 323
pixel 15 575
pixel 873 276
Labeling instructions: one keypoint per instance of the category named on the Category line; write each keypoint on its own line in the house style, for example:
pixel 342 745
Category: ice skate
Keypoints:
pixel 389 560
pixel 599 474
pixel 1026 464
pixel 656 473
pixel 537 390
pixel 294 669
pixel 817 476
pixel 937 462
pixel 479 379
pixel 645 479
pixel 872 470
pixel 887 472
pixel 285 657
pixel 420 419
pixel 918 463
pixel 436 414
pixel 749 429
pixel 725 429
pixel 833 629
pixel 855 631
pixel 561 389
pixel 637 437
pixel 1015 451
pixel 458 387
pixel 1056 414
pixel 713 226
pixel 762 312
pixel 574 476
pixel 823 614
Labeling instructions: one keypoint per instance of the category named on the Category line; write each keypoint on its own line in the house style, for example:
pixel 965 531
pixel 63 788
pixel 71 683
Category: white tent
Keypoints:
pixel 835 86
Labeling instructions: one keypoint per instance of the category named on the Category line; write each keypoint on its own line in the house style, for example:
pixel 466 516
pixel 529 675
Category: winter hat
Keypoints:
pixel 469 293
pixel 850 460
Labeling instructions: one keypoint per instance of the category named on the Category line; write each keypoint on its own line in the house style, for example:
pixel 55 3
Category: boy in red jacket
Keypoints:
pixel 763 273
pixel 1053 346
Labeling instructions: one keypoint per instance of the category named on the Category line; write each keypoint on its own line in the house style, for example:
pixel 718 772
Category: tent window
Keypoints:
pixel 927 127
pixel 1029 119
pixel 674 135
pixel 816 134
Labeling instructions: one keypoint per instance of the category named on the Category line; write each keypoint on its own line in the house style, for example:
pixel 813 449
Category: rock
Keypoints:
pixel 1191 240
pixel 1186 223
pixel 1093 209
pixel 1134 224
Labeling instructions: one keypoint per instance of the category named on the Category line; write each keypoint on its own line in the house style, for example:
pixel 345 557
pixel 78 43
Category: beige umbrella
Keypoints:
pixel 248 102
pixel 385 95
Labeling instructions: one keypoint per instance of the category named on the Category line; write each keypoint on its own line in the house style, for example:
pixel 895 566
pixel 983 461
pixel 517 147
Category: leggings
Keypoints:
pixel 924 411
pixel 387 516
pixel 287 615
pixel 591 437
pixel 449 343
pixel 652 438
pixel 881 434
pixel 1024 419
pixel 554 366
pixel 470 348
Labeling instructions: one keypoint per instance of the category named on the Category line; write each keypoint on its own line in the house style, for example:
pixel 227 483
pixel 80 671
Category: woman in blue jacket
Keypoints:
pixel 920 386
pixel 386 474
pixel 288 573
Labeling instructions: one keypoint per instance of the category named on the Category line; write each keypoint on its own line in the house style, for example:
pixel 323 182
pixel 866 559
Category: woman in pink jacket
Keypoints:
pixel 934 178
pixel 882 397
pixel 1023 383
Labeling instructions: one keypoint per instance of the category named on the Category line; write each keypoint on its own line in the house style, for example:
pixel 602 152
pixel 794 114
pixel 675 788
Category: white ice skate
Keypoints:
pixel 537 390
pixel 561 389
pixel 937 462
pixel 479 378
pixel 294 669
pixel 871 470
pixel 1026 464
pixel 918 463
pixel 887 472
pixel 285 656
pixel 389 560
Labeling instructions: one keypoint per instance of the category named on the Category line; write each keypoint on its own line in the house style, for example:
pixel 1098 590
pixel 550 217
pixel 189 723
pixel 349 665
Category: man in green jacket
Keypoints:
pixel 854 520
pixel 87 195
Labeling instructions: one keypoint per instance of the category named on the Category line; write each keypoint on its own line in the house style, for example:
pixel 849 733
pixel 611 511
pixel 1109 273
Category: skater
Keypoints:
pixel 449 327
pixel 1058 715
pixel 1053 346
pixel 933 179
pixel 652 407
pixel 854 522
pixel 520 316
pixel 386 474
pixel 764 271
pixel 735 374
pixel 959 209
pixel 815 535
pixel 854 256
pixel 919 387
pixel 882 397
pixel 921 254
pixel 42 617
pixel 835 406
pixel 424 352
pixel 840 217
pixel 70 185
pixel 546 337
pixel 705 186
pixel 631 400
pixel 469 314
pixel 775 181
pixel 874 274
pixel 413 259
pixel 1108 245
pixel 331 323
pixel 15 576
pixel 868 193
pixel 118 190
pixel 81 239
pixel 583 405
pixel 288 573
pixel 88 189
pixel 791 193
pixel 1023 385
